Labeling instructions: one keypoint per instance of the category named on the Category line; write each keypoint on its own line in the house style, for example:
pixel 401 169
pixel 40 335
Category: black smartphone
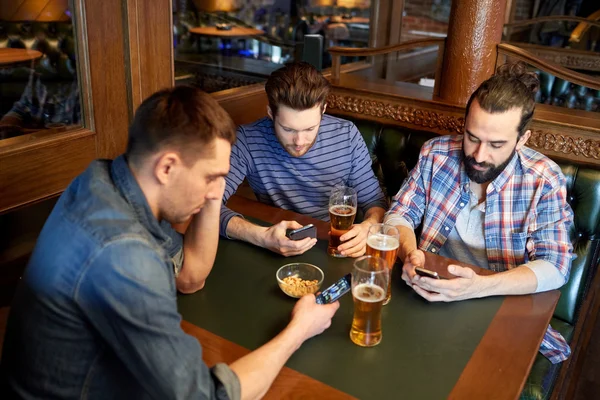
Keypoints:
pixel 298 234
pixel 335 291
pixel 427 273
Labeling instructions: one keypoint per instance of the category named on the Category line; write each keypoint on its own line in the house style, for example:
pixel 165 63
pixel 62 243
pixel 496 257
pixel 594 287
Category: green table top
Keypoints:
pixel 425 346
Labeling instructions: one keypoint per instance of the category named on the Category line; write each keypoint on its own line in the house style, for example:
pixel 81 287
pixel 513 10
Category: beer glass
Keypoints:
pixel 342 211
pixel 383 241
pixel 370 277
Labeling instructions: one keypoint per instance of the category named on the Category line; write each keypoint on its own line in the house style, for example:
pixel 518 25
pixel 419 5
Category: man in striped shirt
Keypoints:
pixel 294 157
pixel 486 199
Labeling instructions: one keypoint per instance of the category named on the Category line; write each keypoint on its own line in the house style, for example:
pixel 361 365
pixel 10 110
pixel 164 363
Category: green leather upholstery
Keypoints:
pixel 583 189
pixel 395 151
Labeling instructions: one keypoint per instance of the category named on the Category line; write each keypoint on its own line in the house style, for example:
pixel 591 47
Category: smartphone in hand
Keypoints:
pixel 298 234
pixel 428 273
pixel 335 291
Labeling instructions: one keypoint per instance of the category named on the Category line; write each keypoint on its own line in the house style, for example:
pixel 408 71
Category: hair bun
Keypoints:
pixel 518 70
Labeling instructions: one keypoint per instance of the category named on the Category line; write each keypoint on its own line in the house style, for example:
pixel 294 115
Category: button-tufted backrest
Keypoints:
pixel 395 150
pixel 583 191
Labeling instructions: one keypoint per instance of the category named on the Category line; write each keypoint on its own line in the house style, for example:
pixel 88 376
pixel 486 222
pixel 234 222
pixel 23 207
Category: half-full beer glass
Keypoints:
pixel 369 285
pixel 342 211
pixel 383 241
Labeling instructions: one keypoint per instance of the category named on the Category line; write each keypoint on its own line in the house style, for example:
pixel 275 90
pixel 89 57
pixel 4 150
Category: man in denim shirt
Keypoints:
pixel 96 316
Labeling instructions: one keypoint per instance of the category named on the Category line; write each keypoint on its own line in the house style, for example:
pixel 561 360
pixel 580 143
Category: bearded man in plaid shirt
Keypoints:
pixel 484 198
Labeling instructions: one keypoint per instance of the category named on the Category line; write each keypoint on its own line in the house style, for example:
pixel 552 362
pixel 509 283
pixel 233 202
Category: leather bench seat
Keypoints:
pixel 395 150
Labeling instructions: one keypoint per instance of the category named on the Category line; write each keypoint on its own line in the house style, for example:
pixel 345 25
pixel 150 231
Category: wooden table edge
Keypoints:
pixel 31 56
pixel 226 34
pixel 288 384
pixel 498 347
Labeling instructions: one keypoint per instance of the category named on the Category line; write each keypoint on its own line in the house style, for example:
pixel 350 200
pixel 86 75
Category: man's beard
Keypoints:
pixel 492 171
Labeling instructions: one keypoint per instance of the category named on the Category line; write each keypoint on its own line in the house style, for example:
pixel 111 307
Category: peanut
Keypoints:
pixel 297 287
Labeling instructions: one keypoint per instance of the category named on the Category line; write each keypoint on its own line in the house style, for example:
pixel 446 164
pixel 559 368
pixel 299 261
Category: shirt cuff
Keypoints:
pixel 230 382
pixel 396 220
pixel 548 276
pixel 226 215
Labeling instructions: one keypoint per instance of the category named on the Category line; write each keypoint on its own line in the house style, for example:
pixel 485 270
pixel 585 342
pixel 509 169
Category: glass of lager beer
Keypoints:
pixel 369 285
pixel 342 210
pixel 383 241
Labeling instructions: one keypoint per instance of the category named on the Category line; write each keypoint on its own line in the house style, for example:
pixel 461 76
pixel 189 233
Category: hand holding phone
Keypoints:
pixel 428 273
pixel 298 234
pixel 335 291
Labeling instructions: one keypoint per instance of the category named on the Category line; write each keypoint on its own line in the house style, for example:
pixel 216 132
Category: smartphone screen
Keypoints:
pixel 335 291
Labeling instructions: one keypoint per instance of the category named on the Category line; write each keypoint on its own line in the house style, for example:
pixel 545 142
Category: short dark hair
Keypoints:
pixel 297 85
pixel 183 118
pixel 513 86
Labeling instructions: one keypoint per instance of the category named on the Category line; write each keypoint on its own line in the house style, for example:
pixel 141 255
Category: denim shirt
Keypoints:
pixel 95 316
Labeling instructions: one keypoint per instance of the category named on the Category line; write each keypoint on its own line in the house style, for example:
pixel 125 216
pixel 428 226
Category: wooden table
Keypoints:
pixel 10 57
pixel 234 32
pixel 353 20
pixel 497 367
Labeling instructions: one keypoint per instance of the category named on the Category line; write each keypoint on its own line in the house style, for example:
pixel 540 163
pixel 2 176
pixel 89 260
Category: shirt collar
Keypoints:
pixel 133 194
pixel 505 175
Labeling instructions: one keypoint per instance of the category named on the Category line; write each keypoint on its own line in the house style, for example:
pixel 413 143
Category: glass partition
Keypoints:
pixel 39 85
pixel 559 86
pixel 223 44
pixel 423 19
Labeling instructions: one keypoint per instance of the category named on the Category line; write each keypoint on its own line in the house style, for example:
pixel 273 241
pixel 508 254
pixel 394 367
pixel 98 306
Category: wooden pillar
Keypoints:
pixel 474 30
pixel 385 29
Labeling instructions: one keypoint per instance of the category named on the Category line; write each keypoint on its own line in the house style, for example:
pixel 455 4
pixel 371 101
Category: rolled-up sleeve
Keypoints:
pixel 128 294
pixel 550 228
pixel 548 277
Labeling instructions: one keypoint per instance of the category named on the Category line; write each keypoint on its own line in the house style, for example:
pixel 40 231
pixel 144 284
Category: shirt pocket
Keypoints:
pixel 515 248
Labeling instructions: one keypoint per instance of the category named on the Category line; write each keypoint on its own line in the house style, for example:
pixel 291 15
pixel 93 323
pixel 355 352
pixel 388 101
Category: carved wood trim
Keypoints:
pixel 419 117
pixel 568 58
pixel 547 141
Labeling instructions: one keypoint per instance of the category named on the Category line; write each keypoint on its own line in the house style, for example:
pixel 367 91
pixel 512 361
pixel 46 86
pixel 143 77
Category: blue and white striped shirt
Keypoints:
pixel 302 184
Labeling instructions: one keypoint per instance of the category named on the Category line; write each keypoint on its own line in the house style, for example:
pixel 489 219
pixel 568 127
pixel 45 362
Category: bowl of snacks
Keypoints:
pixel 299 279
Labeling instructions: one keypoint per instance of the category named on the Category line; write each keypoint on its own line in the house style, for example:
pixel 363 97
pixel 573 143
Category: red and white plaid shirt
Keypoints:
pixel 527 216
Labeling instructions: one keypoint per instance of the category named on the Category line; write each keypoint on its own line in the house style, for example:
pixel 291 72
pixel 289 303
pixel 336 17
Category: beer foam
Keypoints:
pixel 368 293
pixel 383 242
pixel 348 211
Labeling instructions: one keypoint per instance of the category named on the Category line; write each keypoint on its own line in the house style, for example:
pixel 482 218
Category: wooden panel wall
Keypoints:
pixel 149 48
pixel 245 104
